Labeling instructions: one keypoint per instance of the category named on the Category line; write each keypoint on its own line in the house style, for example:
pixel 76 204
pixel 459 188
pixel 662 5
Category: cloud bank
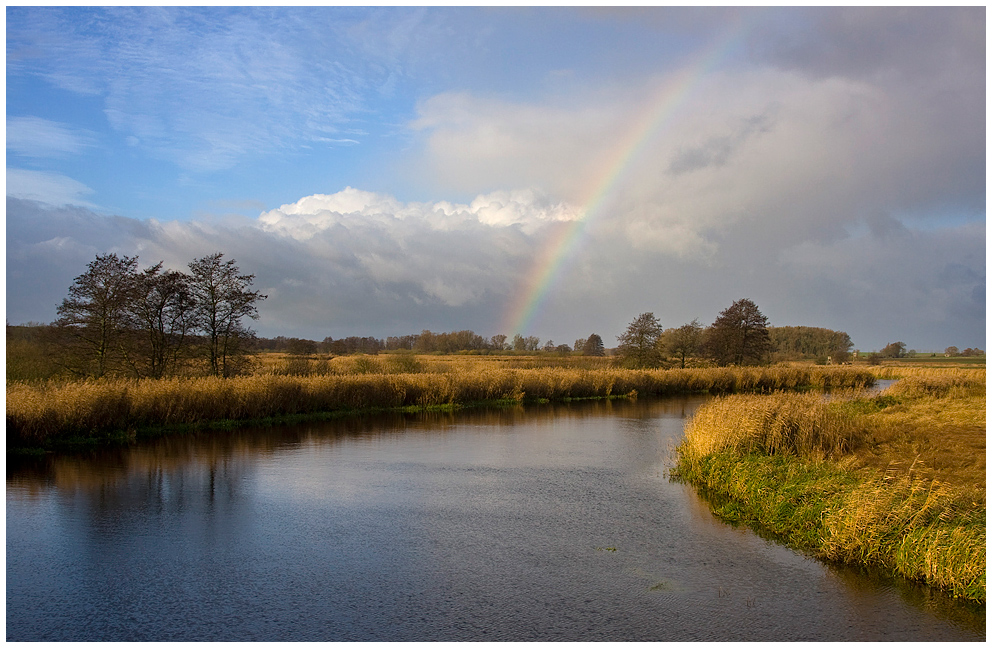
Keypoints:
pixel 361 263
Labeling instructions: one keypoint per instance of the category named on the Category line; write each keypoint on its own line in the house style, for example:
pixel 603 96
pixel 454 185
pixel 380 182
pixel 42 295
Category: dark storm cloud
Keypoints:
pixel 717 150
pixel 860 42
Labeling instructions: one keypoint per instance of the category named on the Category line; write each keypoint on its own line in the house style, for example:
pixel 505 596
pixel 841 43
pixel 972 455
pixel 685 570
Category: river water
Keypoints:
pixel 537 523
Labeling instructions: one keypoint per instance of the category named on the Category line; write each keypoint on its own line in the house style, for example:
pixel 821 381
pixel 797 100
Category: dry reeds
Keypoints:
pixel 939 383
pixel 43 411
pixel 801 425
pixel 923 531
pixel 933 424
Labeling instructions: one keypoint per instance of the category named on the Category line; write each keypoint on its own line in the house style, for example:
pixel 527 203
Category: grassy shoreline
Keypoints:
pixel 43 415
pixel 894 481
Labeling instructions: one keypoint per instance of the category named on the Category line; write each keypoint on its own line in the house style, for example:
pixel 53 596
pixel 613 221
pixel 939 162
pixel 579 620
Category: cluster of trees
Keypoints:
pixel 121 320
pixel 893 350
pixel 591 346
pixel 429 342
pixel 738 336
pixel 898 350
pixel 809 342
pixel 304 347
pixel 952 351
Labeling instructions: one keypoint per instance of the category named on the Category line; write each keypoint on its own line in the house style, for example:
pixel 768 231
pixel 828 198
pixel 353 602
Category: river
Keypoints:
pixel 537 523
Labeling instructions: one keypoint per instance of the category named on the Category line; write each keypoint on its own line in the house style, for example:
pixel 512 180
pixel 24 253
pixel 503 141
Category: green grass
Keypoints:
pixel 937 361
pixel 919 531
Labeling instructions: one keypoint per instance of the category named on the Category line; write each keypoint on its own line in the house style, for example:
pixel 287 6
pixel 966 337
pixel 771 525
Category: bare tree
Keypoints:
pixel 223 299
pixel 93 316
pixel 161 311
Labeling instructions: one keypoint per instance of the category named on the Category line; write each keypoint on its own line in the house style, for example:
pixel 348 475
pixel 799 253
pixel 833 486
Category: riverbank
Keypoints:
pixel 894 481
pixel 43 415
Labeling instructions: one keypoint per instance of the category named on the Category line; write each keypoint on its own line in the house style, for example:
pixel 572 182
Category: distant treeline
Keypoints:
pixel 429 342
pixel 969 352
pixel 30 352
pixel 787 343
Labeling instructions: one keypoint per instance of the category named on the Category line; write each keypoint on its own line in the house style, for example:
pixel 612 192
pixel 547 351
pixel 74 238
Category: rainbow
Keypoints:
pixel 562 244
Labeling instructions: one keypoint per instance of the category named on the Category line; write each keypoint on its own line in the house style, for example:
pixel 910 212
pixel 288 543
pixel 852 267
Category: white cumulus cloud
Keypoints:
pixel 353 208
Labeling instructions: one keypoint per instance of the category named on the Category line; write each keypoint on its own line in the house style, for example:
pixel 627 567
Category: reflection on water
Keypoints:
pixel 177 458
pixel 549 522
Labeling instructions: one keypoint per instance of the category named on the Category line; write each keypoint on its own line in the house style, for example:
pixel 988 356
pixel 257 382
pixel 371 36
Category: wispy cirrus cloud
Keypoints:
pixel 206 87
pixel 46 187
pixel 35 137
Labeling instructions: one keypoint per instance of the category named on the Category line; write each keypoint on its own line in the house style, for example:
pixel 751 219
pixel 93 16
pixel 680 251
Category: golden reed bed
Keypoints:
pixel 37 413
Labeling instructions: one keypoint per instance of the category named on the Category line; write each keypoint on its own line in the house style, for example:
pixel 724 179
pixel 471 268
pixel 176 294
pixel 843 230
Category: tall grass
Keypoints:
pixel 925 531
pixel 37 413
pixel 950 376
pixel 800 425
pixel 861 479
pixel 940 383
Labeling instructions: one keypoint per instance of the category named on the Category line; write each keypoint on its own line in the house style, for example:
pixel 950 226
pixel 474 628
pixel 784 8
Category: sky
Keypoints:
pixel 553 172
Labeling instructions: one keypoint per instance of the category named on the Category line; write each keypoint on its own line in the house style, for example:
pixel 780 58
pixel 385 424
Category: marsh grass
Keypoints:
pixel 803 425
pixel 40 413
pixel 894 480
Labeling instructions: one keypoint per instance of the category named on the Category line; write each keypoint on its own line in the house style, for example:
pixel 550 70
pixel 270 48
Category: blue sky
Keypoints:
pixel 385 170
pixel 165 113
